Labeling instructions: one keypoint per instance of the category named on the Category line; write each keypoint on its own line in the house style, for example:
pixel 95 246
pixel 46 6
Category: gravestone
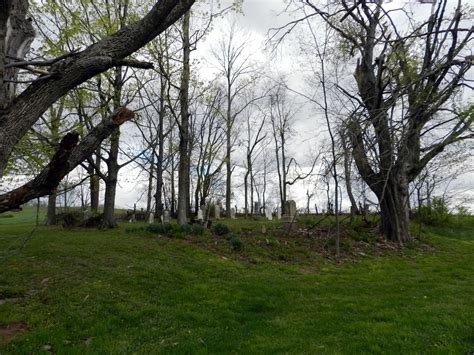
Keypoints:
pixel 151 218
pixel 268 213
pixel 165 218
pixel 217 212
pixel 200 215
pixel 290 208
pixel 232 213
pixel 278 213
pixel 290 214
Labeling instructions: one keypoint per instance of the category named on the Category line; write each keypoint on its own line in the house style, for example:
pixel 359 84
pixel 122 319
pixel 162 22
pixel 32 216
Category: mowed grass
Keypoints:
pixel 88 291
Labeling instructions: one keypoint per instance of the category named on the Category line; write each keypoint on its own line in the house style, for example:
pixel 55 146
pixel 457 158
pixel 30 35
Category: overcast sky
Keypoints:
pixel 258 17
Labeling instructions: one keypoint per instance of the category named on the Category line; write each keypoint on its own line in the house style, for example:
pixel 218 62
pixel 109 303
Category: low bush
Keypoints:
pixel 70 219
pixel 158 228
pixel 94 221
pixel 236 243
pixel 437 213
pixel 198 230
pixel 221 229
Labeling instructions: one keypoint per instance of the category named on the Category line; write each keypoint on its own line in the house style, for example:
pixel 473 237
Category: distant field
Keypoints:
pixel 88 291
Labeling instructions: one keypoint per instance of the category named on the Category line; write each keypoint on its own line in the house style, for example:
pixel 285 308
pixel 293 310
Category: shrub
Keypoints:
pixel 198 229
pixel 462 211
pixel 435 214
pixel 186 229
pixel 70 219
pixel 221 229
pixel 158 228
pixel 235 243
pixel 94 221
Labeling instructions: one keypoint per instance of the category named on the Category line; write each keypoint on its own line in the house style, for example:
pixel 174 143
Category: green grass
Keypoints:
pixel 89 291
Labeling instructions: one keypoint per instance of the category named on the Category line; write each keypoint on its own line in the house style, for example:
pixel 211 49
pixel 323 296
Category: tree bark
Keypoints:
pixel 111 181
pixel 149 197
pixel 183 174
pixel 161 146
pixel 51 215
pixel 95 185
pixel 394 211
pixel 347 174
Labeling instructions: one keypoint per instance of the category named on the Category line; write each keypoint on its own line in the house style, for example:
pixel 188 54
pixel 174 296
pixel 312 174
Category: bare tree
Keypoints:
pixel 405 81
pixel 208 142
pixel 233 61
pixel 255 123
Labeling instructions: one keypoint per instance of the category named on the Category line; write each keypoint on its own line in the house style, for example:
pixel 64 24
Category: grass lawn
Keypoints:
pixel 88 291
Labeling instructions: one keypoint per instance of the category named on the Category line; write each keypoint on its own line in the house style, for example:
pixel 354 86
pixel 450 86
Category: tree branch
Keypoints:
pixel 69 155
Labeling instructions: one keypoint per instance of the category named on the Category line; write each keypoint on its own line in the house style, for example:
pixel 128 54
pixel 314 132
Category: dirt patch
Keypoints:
pixel 12 330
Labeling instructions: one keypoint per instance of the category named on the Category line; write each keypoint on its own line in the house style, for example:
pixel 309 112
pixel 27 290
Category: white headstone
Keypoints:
pixel 200 215
pixel 279 213
pixel 151 218
pixel 217 212
pixel 166 216
pixel 268 213
pixel 232 213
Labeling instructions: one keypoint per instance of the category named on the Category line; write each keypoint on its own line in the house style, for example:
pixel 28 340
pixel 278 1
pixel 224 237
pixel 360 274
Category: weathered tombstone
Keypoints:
pixel 290 208
pixel 232 213
pixel 151 218
pixel 217 212
pixel 166 216
pixel 200 215
pixel 278 213
pixel 290 213
pixel 268 213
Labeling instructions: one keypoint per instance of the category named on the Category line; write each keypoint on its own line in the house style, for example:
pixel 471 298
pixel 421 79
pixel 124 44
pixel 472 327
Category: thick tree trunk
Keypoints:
pixel 394 210
pixel 111 181
pixel 113 166
pixel 51 216
pixel 16 35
